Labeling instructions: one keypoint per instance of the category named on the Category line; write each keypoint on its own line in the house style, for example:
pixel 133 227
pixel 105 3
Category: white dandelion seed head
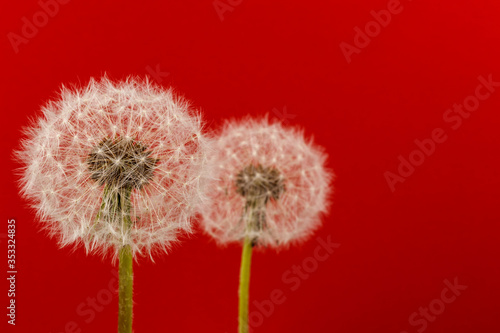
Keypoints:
pixel 107 141
pixel 269 184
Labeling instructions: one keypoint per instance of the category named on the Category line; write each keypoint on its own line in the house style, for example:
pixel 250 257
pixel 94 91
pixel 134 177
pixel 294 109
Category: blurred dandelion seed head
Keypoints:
pixel 270 184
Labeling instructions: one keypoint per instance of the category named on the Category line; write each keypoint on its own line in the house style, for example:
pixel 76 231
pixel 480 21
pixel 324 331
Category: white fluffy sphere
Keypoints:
pixel 106 137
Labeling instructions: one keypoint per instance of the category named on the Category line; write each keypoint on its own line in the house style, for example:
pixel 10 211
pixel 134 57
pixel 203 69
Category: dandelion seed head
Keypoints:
pixel 270 184
pixel 110 139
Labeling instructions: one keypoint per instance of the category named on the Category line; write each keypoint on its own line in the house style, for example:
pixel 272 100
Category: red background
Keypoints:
pixel 396 248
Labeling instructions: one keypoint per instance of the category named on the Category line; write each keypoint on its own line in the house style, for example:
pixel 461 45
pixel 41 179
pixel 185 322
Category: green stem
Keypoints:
pixel 246 260
pixel 126 276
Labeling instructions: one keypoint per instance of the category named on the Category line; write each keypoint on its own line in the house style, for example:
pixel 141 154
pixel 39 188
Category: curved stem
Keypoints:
pixel 246 260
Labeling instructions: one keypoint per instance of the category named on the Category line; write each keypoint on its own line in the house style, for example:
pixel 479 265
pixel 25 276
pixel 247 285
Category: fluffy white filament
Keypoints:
pixel 307 184
pixel 56 178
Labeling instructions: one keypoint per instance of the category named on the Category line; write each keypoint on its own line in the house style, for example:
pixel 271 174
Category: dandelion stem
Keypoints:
pixel 126 274
pixel 246 260
pixel 125 289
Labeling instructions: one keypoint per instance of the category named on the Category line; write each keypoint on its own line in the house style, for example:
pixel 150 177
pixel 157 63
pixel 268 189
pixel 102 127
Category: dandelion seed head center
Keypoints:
pixel 259 182
pixel 121 163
